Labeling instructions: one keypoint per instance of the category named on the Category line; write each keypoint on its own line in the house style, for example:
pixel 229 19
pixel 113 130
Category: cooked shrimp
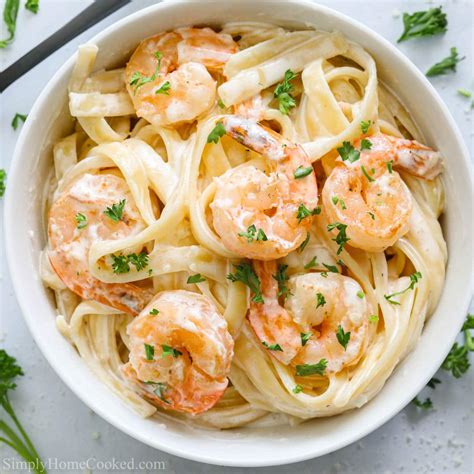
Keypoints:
pixel 264 216
pixel 76 221
pixel 180 352
pixel 252 108
pixel 305 329
pixel 167 77
pixel 370 197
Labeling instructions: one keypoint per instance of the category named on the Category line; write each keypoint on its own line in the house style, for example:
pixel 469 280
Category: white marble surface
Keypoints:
pixel 63 428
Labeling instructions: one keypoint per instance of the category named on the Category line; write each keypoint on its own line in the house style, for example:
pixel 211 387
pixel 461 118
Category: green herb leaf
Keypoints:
pixel 423 23
pixel 414 278
pixel 154 312
pixel 433 382
pixel 16 120
pixel 341 238
pixel 217 132
pixel 364 172
pixel 305 337
pixel 365 144
pixel 10 13
pixel 246 275
pixel 304 370
pixel 302 172
pixel 139 261
pixel 364 125
pixel 464 93
pixel 164 88
pixel 331 268
pixel 261 236
pixel 149 351
pixel 445 65
pixel 390 166
pixel 320 300
pixel 220 104
pixel 81 220
pixel 304 212
pixel 298 388
pixel 360 294
pixel 372 215
pixel 250 234
pixel 335 200
pixel 427 404
pixel 115 212
pixel 457 361
pixel 120 264
pixel 281 277
pixel 374 318
pixel 159 391
pixel 138 79
pixel 312 263
pixel 343 337
pixel 170 351
pixel 283 93
pixel 305 243
pixel 198 278
pixel 348 152
pixel 32 5
pixel 272 347
pixel 3 176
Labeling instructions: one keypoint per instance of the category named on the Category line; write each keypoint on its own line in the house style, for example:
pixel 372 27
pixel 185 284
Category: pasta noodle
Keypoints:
pixel 171 171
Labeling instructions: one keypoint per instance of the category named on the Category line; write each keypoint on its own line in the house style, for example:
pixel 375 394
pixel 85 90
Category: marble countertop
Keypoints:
pixel 63 428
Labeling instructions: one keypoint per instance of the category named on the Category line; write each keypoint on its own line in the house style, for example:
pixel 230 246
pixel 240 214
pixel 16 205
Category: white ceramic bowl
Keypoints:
pixel 48 120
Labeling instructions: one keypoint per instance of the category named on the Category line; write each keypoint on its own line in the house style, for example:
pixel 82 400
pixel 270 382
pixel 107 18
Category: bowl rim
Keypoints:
pixel 21 295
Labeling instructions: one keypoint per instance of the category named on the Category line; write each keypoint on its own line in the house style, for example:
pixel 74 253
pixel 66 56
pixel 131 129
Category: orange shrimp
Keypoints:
pixel 370 197
pixel 76 221
pixel 180 352
pixel 258 215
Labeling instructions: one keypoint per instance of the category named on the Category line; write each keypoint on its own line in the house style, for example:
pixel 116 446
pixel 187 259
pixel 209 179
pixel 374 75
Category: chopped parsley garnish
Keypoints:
pixel 348 152
pixel 198 278
pixel 81 220
pixel 164 88
pixel 304 370
pixel 372 215
pixel 217 132
pixel 390 166
pixel 445 65
pixel 312 263
pixel 365 144
pixel 433 382
pixel 374 318
pixel 360 294
pixel 170 351
pixel 115 212
pixel 16 120
pixel 10 13
pixel 283 93
pixel 423 23
pixel 121 263
pixel 154 312
pixel 3 176
pixel 281 277
pixel 464 93
pixel 252 234
pixel 364 125
pixel 304 212
pixel 304 244
pixel 331 268
pixel 272 347
pixel 335 200
pixel 364 172
pixel 320 300
pixel 341 238
pixel 246 275
pixel 457 361
pixel 220 104
pixel 32 5
pixel 302 172
pixel 305 337
pixel 427 404
pixel 138 79
pixel 343 337
pixel 298 388
pixel 149 351
pixel 414 278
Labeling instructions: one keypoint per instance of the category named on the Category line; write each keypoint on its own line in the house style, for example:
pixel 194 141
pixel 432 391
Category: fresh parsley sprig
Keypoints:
pixel 343 337
pixel 283 93
pixel 17 440
pixel 446 65
pixel 17 119
pixel 341 238
pixel 246 275
pixel 423 23
pixel 425 405
pixel 3 176
pixel 121 263
pixel 253 234
pixel 217 132
pixel 10 14
pixel 281 277
pixel 305 370
pixel 138 79
pixel 32 5
pixel 115 212
pixel 414 278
